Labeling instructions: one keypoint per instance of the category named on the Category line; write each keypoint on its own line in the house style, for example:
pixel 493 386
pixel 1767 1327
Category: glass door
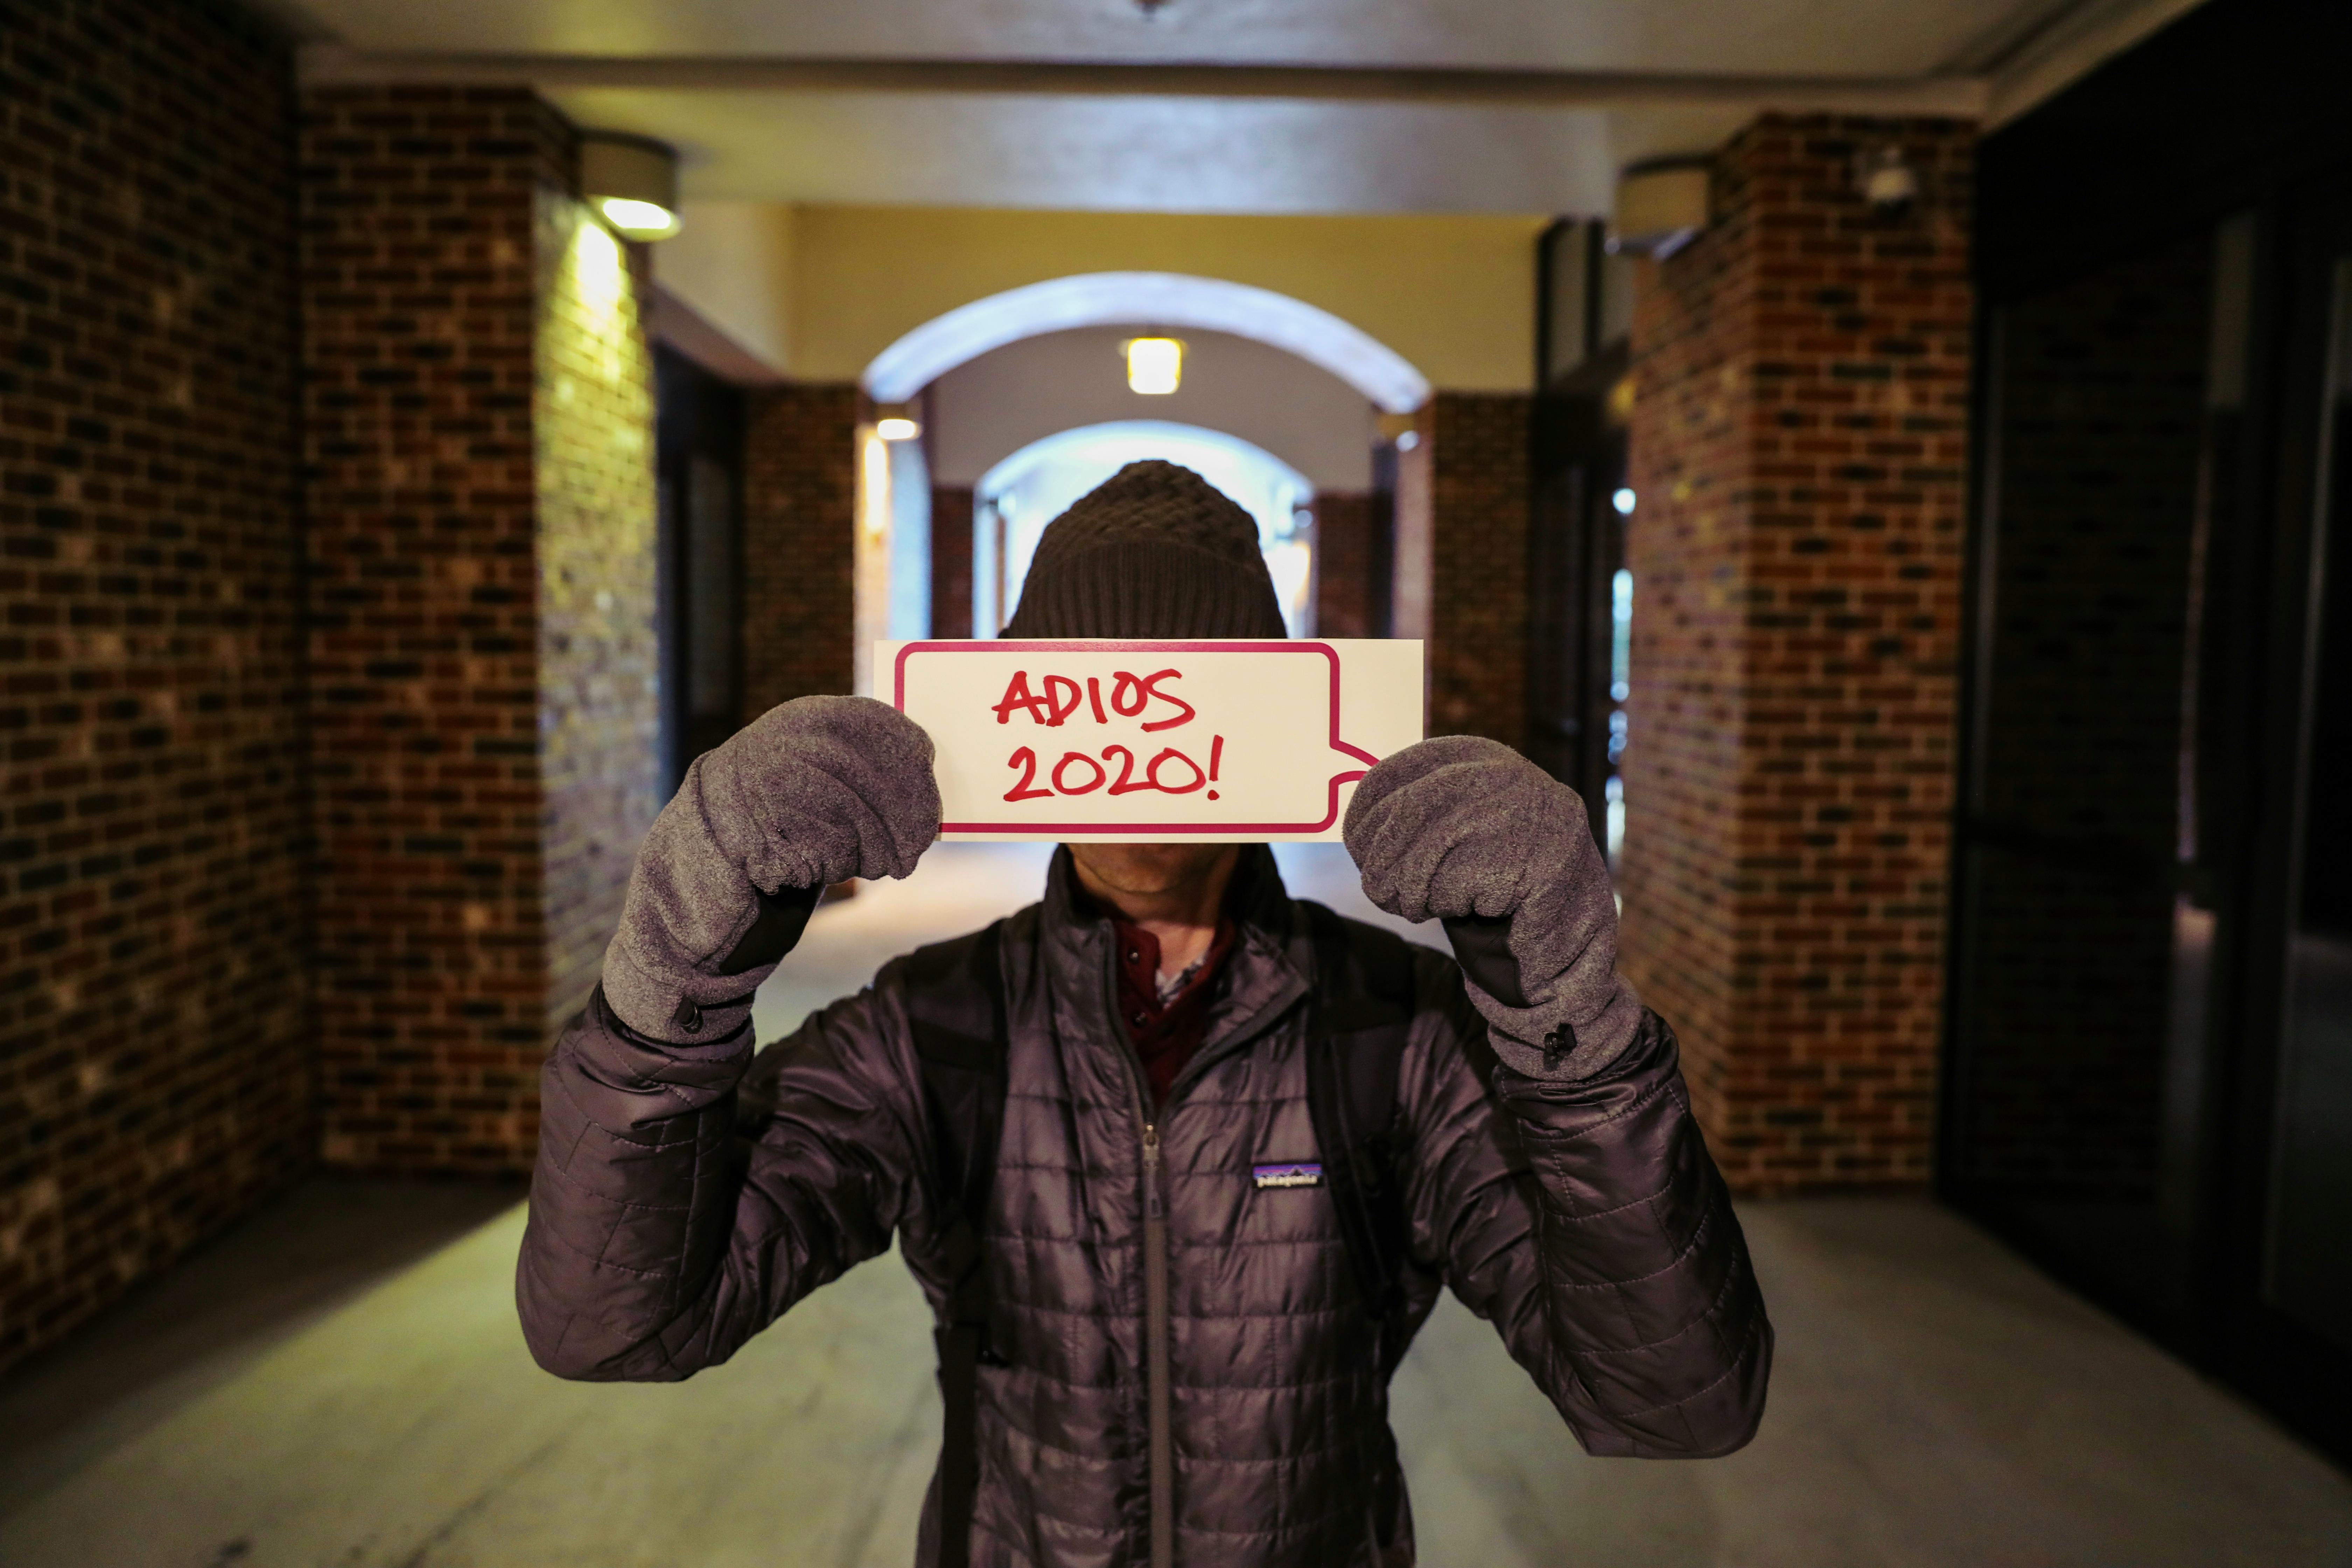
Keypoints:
pixel 2308 1256
pixel 1579 593
pixel 2288 1332
pixel 1580 597
pixel 2091 884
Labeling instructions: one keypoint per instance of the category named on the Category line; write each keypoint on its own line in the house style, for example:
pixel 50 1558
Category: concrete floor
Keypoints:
pixel 341 1381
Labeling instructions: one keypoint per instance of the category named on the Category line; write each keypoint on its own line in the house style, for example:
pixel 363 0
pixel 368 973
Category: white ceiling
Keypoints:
pixel 1868 37
pixel 1153 154
pixel 631 64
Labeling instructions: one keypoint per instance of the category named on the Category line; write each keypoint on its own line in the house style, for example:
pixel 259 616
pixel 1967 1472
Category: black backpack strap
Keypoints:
pixel 1359 1013
pixel 955 1006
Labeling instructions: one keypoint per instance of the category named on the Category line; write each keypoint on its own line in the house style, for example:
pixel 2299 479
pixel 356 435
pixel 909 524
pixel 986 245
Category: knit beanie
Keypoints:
pixel 1155 551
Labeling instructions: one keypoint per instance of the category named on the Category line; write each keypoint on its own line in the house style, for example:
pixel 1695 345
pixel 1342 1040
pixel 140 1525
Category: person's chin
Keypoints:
pixel 1149 868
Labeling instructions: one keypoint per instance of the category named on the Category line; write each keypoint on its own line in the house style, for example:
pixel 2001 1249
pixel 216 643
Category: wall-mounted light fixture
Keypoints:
pixel 1889 184
pixel 893 422
pixel 1662 206
pixel 1155 366
pixel 631 182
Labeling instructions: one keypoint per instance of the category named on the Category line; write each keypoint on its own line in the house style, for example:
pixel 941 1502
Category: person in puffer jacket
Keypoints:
pixel 1205 1387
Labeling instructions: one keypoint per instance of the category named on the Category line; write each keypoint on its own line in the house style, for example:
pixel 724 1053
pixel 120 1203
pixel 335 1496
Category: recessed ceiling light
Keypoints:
pixel 1155 366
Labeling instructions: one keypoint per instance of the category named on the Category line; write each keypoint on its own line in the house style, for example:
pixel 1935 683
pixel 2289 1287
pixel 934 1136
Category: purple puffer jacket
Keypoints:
pixel 1585 1220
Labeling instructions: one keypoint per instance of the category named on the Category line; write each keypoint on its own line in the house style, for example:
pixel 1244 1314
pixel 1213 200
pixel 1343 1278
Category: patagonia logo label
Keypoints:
pixel 1289 1173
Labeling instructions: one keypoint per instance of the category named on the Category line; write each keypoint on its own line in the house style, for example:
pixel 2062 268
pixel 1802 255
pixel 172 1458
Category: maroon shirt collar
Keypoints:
pixel 1165 1034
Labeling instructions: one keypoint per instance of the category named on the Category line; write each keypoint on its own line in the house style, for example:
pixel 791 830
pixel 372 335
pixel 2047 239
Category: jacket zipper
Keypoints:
pixel 1155 1338
pixel 1157 1392
pixel 1162 1437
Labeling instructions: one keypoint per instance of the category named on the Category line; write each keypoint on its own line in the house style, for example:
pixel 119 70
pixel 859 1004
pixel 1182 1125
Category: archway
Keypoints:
pixel 1170 300
pixel 977 584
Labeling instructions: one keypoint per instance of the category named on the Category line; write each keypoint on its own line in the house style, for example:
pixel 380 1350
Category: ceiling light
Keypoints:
pixel 638 220
pixel 631 182
pixel 896 428
pixel 1154 365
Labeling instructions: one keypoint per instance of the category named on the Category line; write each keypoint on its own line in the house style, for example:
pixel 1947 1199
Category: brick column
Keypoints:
pixel 1798 446
pixel 154 1015
pixel 1347 560
pixel 800 506
pixel 951 560
pixel 599 665
pixel 1477 446
pixel 481 533
pixel 1461 579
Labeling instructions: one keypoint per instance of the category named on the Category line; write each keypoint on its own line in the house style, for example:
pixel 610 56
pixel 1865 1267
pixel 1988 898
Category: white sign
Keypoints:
pixel 1139 741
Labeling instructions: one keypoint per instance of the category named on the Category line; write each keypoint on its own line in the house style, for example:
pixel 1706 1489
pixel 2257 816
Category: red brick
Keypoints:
pixel 800 501
pixel 153 1011
pixel 482 731
pixel 951 514
pixel 1797 583
pixel 1346 551
pixel 1462 508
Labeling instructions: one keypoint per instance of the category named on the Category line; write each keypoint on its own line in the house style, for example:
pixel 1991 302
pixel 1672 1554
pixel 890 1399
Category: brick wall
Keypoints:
pixel 800 499
pixel 1478 493
pixel 952 515
pixel 480 525
pixel 1347 560
pixel 599 677
pixel 1798 446
pixel 1691 464
pixel 185 1015
pixel 153 1043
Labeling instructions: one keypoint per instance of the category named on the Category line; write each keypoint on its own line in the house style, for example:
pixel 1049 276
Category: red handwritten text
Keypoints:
pixel 1170 772
pixel 1055 699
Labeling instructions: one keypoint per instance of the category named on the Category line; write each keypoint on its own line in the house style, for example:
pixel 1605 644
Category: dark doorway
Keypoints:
pixel 2287 1305
pixel 1580 593
pixel 2307 1255
pixel 2149 1057
pixel 699 439
pixel 2088 859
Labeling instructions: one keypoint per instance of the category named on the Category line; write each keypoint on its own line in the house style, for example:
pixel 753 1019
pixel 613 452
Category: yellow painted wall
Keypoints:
pixel 1455 295
pixel 733 262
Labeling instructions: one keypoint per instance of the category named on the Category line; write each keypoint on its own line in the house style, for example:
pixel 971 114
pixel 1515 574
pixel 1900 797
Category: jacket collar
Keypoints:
pixel 1261 981
pixel 1256 900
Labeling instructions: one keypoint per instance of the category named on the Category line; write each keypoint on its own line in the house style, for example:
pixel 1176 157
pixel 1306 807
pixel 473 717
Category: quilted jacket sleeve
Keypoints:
pixel 1587 1221
pixel 658 1241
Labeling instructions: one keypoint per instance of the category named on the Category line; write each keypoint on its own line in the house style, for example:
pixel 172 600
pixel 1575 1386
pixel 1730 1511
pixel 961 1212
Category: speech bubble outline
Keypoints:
pixel 1123 645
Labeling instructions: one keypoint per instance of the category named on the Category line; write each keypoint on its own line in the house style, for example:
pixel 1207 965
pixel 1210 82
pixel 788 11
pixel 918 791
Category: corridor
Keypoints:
pixel 342 1381
pixel 1888 462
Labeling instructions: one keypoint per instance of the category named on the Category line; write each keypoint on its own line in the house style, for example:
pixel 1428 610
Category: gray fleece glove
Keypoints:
pixel 815 791
pixel 1468 831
